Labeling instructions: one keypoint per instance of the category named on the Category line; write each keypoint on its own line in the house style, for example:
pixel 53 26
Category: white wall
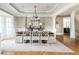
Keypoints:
pixel 72 24
pixel 0 43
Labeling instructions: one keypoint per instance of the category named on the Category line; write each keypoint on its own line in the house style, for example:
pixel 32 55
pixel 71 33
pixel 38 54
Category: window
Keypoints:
pixel 7 29
pixel 10 30
pixel 66 22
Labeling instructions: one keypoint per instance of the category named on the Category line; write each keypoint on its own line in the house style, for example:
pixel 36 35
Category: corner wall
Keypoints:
pixel 59 27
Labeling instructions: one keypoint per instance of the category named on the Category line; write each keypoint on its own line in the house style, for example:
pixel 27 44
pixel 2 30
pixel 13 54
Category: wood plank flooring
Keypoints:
pixel 71 43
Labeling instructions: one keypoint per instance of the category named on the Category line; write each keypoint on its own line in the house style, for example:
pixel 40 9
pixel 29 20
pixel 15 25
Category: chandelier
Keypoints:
pixel 35 22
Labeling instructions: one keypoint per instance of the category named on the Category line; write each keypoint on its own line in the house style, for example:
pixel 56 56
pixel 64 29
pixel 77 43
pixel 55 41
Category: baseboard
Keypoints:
pixel 59 33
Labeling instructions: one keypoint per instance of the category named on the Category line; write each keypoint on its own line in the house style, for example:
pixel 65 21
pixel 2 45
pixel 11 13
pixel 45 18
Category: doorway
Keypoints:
pixel 66 25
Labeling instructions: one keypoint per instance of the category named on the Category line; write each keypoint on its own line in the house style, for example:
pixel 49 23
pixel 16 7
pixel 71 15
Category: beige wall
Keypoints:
pixel 44 20
pixel 76 24
pixel 77 28
pixel 20 22
pixel 59 28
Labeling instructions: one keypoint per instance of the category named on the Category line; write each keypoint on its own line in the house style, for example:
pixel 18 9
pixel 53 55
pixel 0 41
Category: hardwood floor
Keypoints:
pixel 71 43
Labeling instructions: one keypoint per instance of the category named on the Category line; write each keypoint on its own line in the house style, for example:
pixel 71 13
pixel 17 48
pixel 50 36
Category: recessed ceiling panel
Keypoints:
pixel 29 7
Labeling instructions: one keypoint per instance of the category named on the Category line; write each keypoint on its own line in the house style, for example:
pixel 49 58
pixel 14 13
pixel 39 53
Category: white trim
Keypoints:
pixel 64 9
pixel 59 33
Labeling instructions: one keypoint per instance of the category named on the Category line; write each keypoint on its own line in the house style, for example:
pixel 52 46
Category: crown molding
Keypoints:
pixel 30 14
pixel 42 12
pixel 9 8
pixel 54 10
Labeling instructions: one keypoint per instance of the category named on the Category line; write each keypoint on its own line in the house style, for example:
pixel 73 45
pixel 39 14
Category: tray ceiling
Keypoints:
pixel 27 9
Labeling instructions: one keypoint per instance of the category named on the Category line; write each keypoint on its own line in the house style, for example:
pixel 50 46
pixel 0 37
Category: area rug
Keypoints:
pixel 11 45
